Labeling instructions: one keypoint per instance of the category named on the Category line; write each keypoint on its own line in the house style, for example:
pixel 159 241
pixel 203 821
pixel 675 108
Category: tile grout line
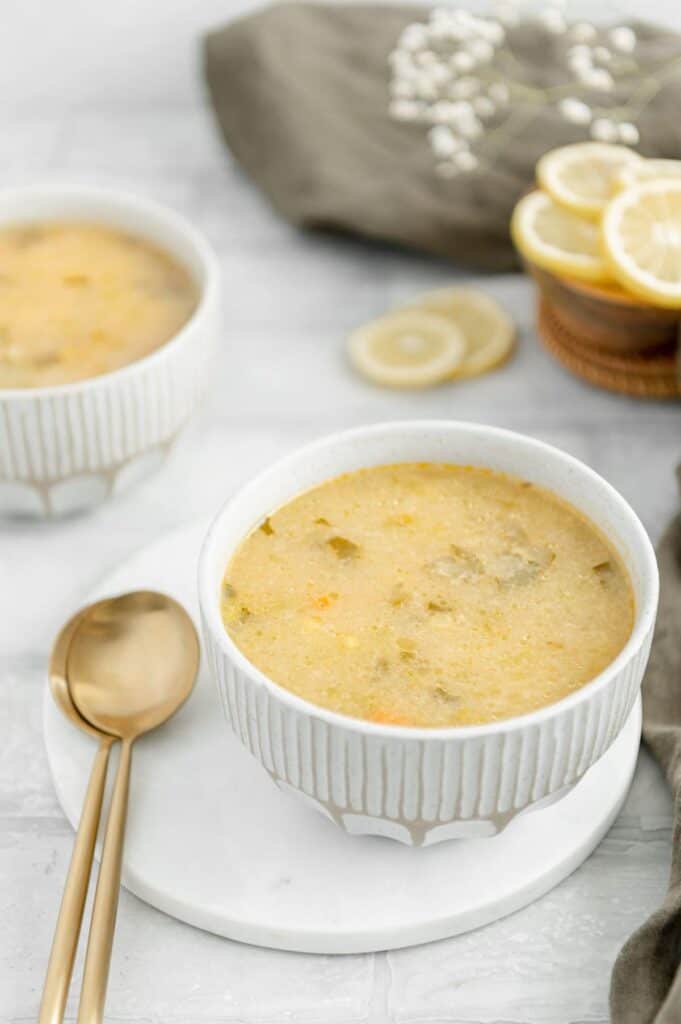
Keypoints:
pixel 379 1003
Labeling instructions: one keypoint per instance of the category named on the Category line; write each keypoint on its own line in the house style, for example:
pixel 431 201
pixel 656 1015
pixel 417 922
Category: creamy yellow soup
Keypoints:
pixel 428 595
pixel 81 299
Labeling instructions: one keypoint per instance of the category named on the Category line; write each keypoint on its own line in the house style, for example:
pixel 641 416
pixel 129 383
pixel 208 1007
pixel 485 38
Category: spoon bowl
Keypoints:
pixel 132 662
pixel 59 687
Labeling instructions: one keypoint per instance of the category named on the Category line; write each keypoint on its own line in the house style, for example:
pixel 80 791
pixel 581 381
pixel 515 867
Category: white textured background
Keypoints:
pixel 108 92
pixel 80 53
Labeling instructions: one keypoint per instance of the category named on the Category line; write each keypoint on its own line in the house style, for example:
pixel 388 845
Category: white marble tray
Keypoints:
pixel 212 841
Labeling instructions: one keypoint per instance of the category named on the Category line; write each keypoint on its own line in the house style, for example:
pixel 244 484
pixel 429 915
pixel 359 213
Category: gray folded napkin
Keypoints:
pixel 423 127
pixel 646 980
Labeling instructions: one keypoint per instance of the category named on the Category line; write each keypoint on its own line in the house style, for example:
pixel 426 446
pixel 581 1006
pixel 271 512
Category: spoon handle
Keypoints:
pixel 103 921
pixel 67 930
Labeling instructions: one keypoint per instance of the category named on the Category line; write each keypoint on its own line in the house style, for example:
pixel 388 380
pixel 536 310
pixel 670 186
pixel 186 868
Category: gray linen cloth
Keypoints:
pixel 309 103
pixel 646 981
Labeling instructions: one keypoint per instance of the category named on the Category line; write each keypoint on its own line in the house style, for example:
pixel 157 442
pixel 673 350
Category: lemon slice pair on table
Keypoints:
pixel 449 333
pixel 607 215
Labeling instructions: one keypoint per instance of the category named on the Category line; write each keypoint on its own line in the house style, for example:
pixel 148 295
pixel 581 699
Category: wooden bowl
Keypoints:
pixel 649 374
pixel 605 316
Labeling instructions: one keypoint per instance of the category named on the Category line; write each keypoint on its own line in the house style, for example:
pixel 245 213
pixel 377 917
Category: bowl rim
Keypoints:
pixel 597 291
pixel 644 619
pixel 203 251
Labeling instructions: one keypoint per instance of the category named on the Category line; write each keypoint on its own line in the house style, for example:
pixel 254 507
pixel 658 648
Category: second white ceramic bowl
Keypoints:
pixel 421 786
pixel 68 447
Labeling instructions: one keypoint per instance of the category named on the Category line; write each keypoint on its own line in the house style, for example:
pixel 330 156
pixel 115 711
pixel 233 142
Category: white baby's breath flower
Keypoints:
pixel 461 27
pixel 439 18
pixel 401 61
pixel 596 78
pixel 426 58
pixel 405 110
pixel 435 82
pixel 481 50
pixel 441 74
pixel 575 111
pixel 410 74
pixel 402 89
pixel 458 33
pixel 579 65
pixel 442 141
pixel 623 38
pixel 499 92
pixel 601 79
pixel 582 73
pixel 484 106
pixel 463 61
pixel 414 37
pixel 464 88
pixel 506 14
pixel 426 87
pixel 580 51
pixel 448 26
pixel 470 129
pixel 465 160
pixel 441 31
pixel 579 58
pixel 553 21
pixel 604 130
pixel 492 31
pixel 440 112
pixel 628 133
pixel 583 32
pixel 461 110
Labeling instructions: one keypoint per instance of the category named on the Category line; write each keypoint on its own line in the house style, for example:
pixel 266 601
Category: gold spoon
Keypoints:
pixel 132 663
pixel 67 930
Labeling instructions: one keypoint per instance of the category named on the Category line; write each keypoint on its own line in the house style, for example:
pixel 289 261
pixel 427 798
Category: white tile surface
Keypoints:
pixel 140 50
pixel 281 380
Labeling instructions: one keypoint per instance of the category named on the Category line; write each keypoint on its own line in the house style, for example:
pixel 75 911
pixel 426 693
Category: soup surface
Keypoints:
pixel 428 595
pixel 80 299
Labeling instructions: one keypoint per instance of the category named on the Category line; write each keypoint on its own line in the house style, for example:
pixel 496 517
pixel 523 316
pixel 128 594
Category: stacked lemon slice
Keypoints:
pixel 447 333
pixel 604 214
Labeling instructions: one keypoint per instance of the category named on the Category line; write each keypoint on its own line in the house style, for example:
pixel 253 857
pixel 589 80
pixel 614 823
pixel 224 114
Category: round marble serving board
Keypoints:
pixel 212 841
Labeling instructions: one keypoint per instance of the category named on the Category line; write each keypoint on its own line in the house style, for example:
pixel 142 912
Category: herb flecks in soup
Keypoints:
pixel 81 299
pixel 428 595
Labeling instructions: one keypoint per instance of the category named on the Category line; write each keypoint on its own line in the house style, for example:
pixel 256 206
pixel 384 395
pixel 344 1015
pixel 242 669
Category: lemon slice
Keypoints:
pixel 557 239
pixel 642 240
pixel 409 349
pixel 646 170
pixel 580 177
pixel 487 329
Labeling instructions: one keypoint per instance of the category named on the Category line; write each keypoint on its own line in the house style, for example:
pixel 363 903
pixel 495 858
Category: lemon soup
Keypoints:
pixel 427 594
pixel 80 299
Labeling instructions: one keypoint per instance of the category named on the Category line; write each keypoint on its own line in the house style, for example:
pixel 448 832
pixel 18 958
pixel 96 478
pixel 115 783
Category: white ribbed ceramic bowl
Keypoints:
pixel 68 447
pixel 421 786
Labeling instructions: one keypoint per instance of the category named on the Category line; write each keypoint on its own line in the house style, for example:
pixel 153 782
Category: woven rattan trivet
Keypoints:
pixel 649 375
